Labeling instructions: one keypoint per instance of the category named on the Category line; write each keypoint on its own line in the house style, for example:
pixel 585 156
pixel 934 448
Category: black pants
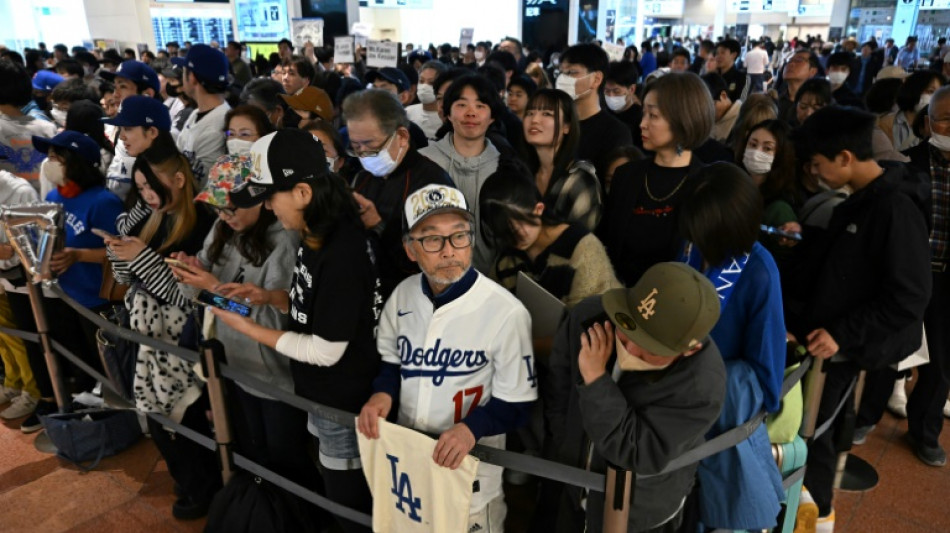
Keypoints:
pixel 878 386
pixel 823 452
pixel 925 405
pixel 66 327
pixel 193 467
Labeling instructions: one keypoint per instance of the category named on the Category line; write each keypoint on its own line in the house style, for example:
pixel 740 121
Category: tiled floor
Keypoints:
pixel 132 492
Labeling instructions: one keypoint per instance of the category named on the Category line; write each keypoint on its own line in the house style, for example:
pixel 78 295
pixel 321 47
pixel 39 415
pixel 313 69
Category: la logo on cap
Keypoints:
pixel 647 305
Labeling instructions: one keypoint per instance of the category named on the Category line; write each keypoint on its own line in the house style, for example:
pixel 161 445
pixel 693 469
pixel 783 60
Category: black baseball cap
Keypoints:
pixel 390 74
pixel 75 142
pixel 279 161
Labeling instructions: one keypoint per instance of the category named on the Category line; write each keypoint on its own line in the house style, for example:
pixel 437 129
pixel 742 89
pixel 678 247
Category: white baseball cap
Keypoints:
pixel 433 199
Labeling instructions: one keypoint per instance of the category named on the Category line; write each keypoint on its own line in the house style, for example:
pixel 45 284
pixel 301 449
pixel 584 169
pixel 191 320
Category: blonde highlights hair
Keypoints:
pixel 160 176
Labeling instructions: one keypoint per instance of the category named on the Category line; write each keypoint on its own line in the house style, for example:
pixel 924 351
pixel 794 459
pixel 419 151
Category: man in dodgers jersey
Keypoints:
pixel 456 349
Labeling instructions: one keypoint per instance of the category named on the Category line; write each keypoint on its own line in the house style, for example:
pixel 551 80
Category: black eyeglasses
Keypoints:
pixel 226 211
pixel 435 243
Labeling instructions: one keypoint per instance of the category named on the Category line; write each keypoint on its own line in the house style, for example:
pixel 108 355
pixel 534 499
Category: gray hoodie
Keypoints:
pixel 13 190
pixel 468 174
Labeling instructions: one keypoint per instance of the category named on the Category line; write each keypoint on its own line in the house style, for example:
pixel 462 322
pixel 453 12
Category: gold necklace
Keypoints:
pixel 646 184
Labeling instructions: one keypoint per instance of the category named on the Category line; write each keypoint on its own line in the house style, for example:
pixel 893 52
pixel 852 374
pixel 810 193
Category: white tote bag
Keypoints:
pixel 412 494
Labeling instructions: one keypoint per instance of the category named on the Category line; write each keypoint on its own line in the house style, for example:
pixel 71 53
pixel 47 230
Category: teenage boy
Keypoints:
pixel 839 70
pixel 858 291
pixel 583 67
pixel 737 83
pixel 202 138
pixel 620 92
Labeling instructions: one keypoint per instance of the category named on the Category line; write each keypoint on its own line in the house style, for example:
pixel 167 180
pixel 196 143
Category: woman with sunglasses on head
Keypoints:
pixel 163 382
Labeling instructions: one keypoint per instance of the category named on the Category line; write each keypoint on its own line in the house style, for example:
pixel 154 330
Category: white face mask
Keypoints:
pixel 923 102
pixel 569 85
pixel 239 146
pixel 331 163
pixel 54 172
pixel 381 164
pixel 479 55
pixel 426 93
pixel 632 363
pixel 616 103
pixel 940 142
pixel 757 161
pixel 837 78
pixel 59 116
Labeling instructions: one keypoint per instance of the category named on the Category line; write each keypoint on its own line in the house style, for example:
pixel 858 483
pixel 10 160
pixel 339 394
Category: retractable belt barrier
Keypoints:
pixel 539 467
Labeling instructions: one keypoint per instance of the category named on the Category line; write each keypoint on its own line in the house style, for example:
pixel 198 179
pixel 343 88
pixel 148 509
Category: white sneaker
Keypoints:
pixel 21 406
pixel 898 400
pixel 825 524
pixel 8 394
pixel 946 409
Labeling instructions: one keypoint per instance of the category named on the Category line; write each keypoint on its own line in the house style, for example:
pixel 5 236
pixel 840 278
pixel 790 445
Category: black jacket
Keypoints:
pixel 640 423
pixel 866 279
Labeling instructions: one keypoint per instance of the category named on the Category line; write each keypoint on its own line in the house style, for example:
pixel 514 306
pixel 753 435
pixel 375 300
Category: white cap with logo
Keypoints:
pixel 433 199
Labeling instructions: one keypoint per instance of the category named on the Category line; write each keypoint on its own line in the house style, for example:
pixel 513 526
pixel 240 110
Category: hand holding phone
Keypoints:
pixel 178 264
pixel 210 299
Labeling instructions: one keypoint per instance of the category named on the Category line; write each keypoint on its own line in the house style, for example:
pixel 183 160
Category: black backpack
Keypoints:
pixel 252 505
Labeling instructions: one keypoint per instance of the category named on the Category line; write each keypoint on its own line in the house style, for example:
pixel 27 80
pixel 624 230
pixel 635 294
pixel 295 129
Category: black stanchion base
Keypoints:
pixel 858 476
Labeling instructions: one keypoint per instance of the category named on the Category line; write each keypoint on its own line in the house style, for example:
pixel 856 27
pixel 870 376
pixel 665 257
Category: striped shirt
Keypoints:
pixel 940 203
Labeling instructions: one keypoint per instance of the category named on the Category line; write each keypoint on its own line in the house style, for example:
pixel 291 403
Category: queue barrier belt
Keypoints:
pixel 541 468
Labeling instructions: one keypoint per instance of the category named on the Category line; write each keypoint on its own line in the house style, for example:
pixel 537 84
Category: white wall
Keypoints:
pixel 27 22
pixel 492 20
pixel 127 21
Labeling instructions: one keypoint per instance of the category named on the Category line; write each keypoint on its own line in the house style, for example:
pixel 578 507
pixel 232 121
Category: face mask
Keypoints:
pixel 569 85
pixel 426 93
pixel 757 162
pixel 940 142
pixel 331 162
pixel 54 172
pixel 837 78
pixel 631 363
pixel 923 102
pixel 616 103
pixel 238 146
pixel 381 164
pixel 59 116
pixel 479 55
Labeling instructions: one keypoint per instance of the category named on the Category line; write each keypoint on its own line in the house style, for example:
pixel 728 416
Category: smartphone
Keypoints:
pixel 103 233
pixel 179 264
pixel 770 230
pixel 211 299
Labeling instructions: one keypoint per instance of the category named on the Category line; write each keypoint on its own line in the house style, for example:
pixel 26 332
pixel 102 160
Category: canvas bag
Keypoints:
pixel 92 435
pixel 412 494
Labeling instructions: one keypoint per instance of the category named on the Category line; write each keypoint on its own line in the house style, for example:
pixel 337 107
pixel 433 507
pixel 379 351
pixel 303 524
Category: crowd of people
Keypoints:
pixel 701 209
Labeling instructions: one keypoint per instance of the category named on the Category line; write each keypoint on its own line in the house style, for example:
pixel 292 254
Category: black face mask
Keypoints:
pixel 172 90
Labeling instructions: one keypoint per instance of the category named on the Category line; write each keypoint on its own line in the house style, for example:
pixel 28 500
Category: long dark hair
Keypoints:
pixel 509 196
pixel 330 205
pixel 253 244
pixel 779 184
pixel 562 104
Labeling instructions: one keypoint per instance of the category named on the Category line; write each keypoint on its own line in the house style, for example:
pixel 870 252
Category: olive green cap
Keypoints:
pixel 671 309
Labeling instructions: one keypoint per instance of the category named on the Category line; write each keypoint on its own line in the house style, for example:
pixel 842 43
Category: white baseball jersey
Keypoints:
pixel 456 357
pixel 203 141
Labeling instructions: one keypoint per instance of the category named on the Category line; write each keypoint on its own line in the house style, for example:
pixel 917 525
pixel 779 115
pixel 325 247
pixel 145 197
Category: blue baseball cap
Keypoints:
pixel 142 111
pixel 45 80
pixel 392 75
pixel 135 71
pixel 73 141
pixel 207 64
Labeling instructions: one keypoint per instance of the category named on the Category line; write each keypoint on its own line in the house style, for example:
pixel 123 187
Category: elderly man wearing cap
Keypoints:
pixel 484 392
pixel 202 138
pixel 17 126
pixel 635 374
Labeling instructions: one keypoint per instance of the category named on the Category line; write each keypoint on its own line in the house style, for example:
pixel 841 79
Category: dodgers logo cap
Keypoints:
pixel 142 111
pixel 390 74
pixel 46 80
pixel 279 161
pixel 73 141
pixel 208 64
pixel 669 310
pixel 135 71
pixel 433 199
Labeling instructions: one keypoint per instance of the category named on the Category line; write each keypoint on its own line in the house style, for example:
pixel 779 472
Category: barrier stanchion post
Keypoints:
pixel 814 386
pixel 211 352
pixel 617 500
pixel 854 474
pixel 42 330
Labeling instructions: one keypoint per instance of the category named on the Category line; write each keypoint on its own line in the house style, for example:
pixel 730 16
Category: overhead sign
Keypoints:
pixel 306 30
pixel 343 49
pixel 465 38
pixel 381 54
pixel 262 20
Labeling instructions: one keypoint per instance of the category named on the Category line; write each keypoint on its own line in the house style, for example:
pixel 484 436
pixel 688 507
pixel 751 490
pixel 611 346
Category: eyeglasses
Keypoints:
pixel 354 151
pixel 228 212
pixel 435 243
pixel 240 134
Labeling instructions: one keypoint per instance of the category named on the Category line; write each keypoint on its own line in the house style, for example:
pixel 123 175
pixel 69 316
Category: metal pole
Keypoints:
pixel 42 329
pixel 210 353
pixel 617 500
pixel 814 386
